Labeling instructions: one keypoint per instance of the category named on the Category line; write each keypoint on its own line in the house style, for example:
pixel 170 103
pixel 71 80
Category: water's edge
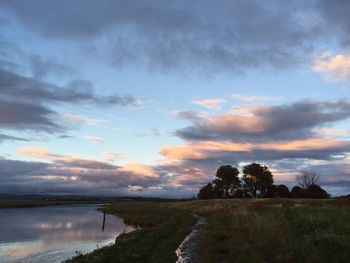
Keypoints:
pixel 103 210
pixel 56 233
pixel 188 250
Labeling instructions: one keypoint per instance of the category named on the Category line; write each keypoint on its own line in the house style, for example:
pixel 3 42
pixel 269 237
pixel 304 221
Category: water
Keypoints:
pixel 53 234
pixel 189 249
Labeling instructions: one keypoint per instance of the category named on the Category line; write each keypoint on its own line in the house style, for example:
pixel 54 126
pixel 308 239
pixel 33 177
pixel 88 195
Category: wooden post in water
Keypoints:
pixel 104 219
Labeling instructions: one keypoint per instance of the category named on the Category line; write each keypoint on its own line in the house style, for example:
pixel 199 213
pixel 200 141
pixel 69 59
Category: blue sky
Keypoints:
pixel 150 97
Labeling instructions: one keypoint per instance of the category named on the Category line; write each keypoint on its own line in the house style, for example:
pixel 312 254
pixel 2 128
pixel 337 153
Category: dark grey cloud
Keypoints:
pixel 26 103
pixel 336 18
pixel 205 36
pixel 87 164
pixel 65 136
pixel 149 14
pixel 17 170
pixel 69 177
pixel 30 89
pixel 41 68
pixel 293 121
pixel 5 137
pixel 21 115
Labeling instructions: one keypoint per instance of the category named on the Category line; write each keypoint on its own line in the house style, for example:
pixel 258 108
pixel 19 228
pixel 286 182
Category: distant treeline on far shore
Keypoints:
pixel 257 182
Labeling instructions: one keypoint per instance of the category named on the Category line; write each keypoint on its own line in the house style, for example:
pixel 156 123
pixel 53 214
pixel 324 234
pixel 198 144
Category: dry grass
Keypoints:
pixel 269 230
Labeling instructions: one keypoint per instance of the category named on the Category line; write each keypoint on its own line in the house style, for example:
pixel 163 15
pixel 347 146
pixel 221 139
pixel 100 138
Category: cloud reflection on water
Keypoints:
pixel 54 233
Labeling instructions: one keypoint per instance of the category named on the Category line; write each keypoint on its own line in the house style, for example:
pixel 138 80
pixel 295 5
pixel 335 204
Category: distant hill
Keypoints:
pixel 83 198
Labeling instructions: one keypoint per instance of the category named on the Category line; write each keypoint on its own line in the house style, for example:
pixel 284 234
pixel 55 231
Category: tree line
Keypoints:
pixel 257 182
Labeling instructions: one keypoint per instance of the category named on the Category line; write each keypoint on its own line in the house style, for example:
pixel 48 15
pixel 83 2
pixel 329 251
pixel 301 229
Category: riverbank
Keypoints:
pixel 51 234
pixel 270 230
pixel 161 228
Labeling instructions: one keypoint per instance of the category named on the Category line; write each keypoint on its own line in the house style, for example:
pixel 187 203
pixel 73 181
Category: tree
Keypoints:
pixel 206 192
pixel 227 180
pixel 270 192
pixel 280 191
pixel 257 179
pixel 315 191
pixel 307 178
pixel 218 189
pixel 298 192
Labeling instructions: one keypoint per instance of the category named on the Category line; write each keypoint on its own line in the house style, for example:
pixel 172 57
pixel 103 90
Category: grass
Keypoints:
pixel 268 230
pixel 38 203
pixel 161 228
pixel 275 231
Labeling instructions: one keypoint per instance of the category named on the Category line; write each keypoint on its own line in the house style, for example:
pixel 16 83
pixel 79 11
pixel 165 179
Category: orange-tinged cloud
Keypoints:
pixel 213 104
pixel 82 166
pixel 140 169
pixel 335 68
pixel 243 123
pixel 202 150
pixel 43 153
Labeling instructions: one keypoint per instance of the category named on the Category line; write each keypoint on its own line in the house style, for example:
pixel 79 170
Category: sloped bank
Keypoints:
pixel 161 227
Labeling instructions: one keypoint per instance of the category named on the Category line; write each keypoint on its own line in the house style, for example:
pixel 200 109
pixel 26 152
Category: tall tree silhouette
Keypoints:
pixel 227 179
pixel 307 178
pixel 206 192
pixel 257 179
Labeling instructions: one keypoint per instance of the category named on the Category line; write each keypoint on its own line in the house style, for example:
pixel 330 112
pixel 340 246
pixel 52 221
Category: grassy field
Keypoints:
pixel 275 231
pixel 37 203
pixel 238 231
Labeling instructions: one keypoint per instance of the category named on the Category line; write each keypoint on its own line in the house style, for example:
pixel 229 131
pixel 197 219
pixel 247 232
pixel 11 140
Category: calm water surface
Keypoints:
pixel 53 234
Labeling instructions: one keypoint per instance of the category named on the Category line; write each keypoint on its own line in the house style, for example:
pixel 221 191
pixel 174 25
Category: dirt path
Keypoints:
pixel 189 249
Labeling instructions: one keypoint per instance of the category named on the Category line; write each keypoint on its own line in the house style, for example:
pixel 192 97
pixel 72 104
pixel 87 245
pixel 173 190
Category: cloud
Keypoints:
pixel 192 165
pixel 60 174
pixel 42 68
pixel 335 19
pixel 42 153
pixel 286 138
pixel 333 133
pixel 32 109
pixel 115 156
pixel 183 170
pixel 294 120
pixel 141 169
pixel 206 36
pixel 213 104
pixel 22 115
pixel 150 132
pixel 5 137
pixel 250 98
pixel 94 139
pixel 77 119
pixel 65 136
pixel 12 84
pixel 308 148
pixel 336 68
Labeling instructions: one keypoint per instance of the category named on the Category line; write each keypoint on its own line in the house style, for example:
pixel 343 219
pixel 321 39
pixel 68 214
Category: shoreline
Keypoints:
pixel 6 203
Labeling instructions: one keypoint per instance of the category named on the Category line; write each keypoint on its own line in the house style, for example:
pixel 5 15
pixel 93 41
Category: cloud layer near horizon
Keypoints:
pixel 186 167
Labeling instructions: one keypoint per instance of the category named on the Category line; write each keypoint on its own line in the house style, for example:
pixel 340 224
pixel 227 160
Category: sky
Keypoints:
pixel 149 98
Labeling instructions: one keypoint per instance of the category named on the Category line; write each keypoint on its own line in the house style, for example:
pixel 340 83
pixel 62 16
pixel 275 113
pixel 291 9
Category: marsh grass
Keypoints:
pixel 276 231
pixel 161 227
pixel 265 230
